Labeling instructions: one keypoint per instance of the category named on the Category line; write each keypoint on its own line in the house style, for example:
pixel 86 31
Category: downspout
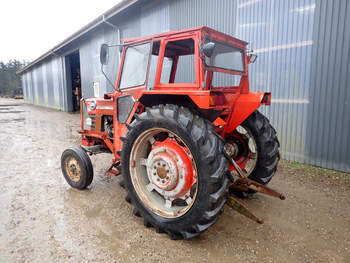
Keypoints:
pixel 116 29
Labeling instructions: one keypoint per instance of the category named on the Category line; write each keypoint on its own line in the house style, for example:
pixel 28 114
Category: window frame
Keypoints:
pixel 225 70
pixel 196 83
pixel 148 64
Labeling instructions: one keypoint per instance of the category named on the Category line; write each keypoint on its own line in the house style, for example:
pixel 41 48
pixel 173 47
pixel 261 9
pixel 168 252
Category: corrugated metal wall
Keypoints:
pixel 43 85
pixel 328 127
pixel 280 32
pixel 219 15
pixel 155 17
pixel 89 50
pixel 303 59
pixel 90 69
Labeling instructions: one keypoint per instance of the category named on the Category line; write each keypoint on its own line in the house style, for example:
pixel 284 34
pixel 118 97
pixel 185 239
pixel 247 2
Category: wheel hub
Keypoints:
pixel 163 170
pixel 169 169
pixel 73 169
pixel 242 148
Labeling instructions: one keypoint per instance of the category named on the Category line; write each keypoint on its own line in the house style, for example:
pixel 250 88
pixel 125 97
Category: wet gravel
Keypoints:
pixel 42 219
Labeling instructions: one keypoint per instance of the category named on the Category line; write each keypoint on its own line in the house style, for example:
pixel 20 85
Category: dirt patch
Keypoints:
pixel 43 219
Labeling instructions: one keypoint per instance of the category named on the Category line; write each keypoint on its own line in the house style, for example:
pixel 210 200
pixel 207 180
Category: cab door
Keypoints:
pixel 132 79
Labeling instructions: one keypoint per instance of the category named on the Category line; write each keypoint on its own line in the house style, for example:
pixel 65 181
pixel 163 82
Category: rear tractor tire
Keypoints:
pixel 258 149
pixel 173 166
pixel 77 168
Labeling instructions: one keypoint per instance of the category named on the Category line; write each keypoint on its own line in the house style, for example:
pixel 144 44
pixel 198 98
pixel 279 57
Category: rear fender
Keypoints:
pixel 244 106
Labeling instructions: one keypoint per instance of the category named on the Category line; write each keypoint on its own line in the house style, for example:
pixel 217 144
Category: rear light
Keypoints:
pixel 212 100
pixel 217 99
pixel 266 98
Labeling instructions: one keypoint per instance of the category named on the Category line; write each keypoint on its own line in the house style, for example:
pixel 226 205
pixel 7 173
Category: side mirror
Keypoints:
pixel 104 54
pixel 208 49
pixel 252 58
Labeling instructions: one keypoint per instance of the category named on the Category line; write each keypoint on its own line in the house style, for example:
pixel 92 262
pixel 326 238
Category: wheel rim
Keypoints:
pixel 163 172
pixel 243 148
pixel 73 169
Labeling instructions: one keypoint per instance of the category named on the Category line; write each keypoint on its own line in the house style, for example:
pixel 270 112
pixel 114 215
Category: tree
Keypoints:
pixel 10 82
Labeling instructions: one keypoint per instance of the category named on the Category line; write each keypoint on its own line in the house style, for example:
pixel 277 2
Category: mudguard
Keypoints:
pixel 243 106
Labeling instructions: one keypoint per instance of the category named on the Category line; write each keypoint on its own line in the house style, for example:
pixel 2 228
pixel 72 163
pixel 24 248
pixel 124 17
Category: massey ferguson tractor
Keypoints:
pixel 184 149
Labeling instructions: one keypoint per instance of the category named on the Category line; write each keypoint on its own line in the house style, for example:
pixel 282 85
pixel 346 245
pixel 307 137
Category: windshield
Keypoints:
pixel 226 57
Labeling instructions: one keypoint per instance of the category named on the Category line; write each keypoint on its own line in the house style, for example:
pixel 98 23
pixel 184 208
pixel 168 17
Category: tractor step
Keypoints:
pixel 96 149
pixel 114 169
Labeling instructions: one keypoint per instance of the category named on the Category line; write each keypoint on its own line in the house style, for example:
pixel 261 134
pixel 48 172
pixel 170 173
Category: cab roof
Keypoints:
pixel 206 32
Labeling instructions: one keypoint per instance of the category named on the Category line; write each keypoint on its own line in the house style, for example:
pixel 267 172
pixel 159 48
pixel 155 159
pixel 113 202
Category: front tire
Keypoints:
pixel 77 168
pixel 170 131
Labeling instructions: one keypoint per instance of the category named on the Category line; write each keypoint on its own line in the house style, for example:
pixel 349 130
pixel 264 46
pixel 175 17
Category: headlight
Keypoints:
pixel 92 105
pixel 88 122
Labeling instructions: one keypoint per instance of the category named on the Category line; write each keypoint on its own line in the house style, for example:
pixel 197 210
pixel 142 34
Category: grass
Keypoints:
pixel 314 171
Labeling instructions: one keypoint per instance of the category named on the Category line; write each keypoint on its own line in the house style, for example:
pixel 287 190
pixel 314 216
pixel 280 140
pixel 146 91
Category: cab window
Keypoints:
pixel 135 66
pixel 166 69
pixel 181 51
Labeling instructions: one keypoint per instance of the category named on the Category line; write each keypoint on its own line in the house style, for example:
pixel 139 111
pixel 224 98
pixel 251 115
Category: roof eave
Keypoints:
pixel 93 24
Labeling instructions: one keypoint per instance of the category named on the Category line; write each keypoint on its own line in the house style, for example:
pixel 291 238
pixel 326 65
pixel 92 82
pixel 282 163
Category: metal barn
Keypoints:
pixel 303 49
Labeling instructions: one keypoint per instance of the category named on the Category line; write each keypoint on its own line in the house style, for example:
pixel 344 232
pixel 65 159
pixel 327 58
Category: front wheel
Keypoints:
pixel 77 167
pixel 174 167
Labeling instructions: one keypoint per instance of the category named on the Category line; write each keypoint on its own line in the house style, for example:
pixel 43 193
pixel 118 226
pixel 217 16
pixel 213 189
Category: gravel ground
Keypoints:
pixel 42 219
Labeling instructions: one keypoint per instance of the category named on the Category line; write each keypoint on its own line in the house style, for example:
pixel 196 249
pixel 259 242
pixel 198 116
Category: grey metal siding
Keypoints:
pixel 90 51
pixel 45 101
pixel 56 84
pixel 280 32
pixel 50 88
pixel 35 85
pixel 219 15
pixel 90 65
pixel 328 128
pixel 30 96
pixel 42 85
pixel 30 87
pixel 155 17
pixel 24 87
pixel 111 37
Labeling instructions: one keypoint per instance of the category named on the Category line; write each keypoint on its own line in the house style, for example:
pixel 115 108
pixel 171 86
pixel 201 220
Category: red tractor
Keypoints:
pixel 182 148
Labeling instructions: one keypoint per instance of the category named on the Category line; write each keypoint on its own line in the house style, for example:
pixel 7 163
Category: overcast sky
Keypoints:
pixel 30 28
